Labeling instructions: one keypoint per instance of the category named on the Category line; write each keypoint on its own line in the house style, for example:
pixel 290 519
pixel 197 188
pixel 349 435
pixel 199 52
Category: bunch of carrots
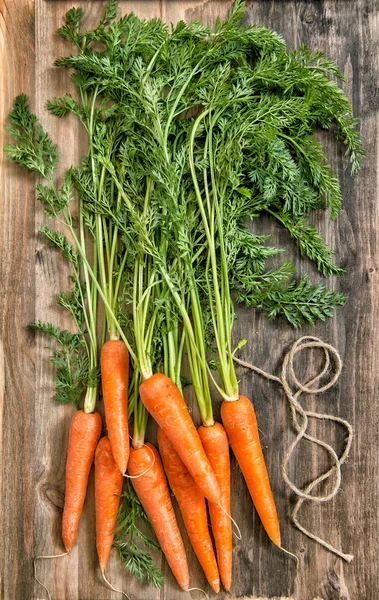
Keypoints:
pixel 184 134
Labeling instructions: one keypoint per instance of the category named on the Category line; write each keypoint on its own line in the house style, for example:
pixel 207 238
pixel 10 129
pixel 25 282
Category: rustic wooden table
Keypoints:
pixel 34 431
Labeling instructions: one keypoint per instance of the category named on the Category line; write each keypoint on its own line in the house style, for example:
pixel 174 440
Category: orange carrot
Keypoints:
pixel 85 431
pixel 150 484
pixel 216 446
pixel 114 378
pixel 108 488
pixel 241 426
pixel 192 506
pixel 166 404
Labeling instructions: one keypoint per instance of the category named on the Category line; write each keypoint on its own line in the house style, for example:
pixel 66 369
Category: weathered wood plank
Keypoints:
pixel 34 431
pixel 345 31
pixel 17 250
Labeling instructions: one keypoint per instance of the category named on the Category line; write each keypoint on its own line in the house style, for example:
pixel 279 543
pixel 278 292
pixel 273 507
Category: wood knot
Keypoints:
pixel 52 496
pixel 39 257
pixel 370 273
pixel 336 585
pixel 307 16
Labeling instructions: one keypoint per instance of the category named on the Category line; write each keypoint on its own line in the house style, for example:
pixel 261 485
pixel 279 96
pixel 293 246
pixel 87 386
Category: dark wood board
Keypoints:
pixel 34 431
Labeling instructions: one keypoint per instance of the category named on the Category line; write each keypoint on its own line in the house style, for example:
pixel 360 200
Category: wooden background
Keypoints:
pixel 34 430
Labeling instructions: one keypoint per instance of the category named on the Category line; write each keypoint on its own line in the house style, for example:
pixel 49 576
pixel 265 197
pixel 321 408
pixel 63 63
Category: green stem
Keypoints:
pixel 102 233
pixel 180 360
pixel 118 281
pixel 218 316
pixel 206 413
pixel 140 307
pixel 89 318
pixel 89 307
pixel 90 399
pixel 230 381
pixel 103 296
pixel 113 334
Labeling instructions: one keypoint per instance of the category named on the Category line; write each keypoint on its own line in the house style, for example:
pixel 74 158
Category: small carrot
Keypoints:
pixel 166 404
pixel 216 446
pixel 85 431
pixel 114 378
pixel 192 506
pixel 240 423
pixel 108 488
pixel 150 484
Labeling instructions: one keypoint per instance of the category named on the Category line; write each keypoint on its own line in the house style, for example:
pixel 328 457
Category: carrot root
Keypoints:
pixel 85 431
pixel 113 588
pixel 108 488
pixel 241 427
pixel 216 446
pixel 198 590
pixel 166 405
pixel 152 490
pixel 35 569
pixel 114 365
pixel 192 507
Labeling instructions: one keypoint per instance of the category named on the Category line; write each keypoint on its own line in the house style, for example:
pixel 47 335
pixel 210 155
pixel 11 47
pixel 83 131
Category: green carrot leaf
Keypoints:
pixel 71 362
pixel 134 558
pixel 33 149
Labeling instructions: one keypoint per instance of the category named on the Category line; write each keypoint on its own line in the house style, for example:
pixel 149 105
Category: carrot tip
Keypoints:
pixel 215 585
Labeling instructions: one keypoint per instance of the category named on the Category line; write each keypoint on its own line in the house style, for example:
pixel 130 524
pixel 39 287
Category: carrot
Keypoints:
pixel 108 488
pixel 166 404
pixel 85 431
pixel 216 446
pixel 114 378
pixel 192 506
pixel 150 485
pixel 241 426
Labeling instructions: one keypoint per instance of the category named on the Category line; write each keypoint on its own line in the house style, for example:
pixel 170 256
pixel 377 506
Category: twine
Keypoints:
pixel 35 569
pixel 237 533
pixel 113 588
pixel 195 589
pixel 146 470
pixel 300 418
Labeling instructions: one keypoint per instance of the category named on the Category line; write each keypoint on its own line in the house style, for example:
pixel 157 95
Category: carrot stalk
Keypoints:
pixel 166 404
pixel 213 196
pixel 192 507
pixel 241 427
pixel 149 482
pixel 108 488
pixel 85 431
pixel 216 446
pixel 114 377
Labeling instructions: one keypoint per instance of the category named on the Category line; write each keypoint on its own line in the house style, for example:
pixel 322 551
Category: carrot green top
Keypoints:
pixel 192 132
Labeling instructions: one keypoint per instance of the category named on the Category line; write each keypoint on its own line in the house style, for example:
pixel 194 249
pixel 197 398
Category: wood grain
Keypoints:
pixel 17 301
pixel 34 431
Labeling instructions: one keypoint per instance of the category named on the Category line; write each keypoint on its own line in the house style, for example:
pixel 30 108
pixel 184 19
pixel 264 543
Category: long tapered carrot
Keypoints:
pixel 166 405
pixel 216 446
pixel 85 431
pixel 192 506
pixel 114 365
pixel 151 487
pixel 108 488
pixel 241 427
